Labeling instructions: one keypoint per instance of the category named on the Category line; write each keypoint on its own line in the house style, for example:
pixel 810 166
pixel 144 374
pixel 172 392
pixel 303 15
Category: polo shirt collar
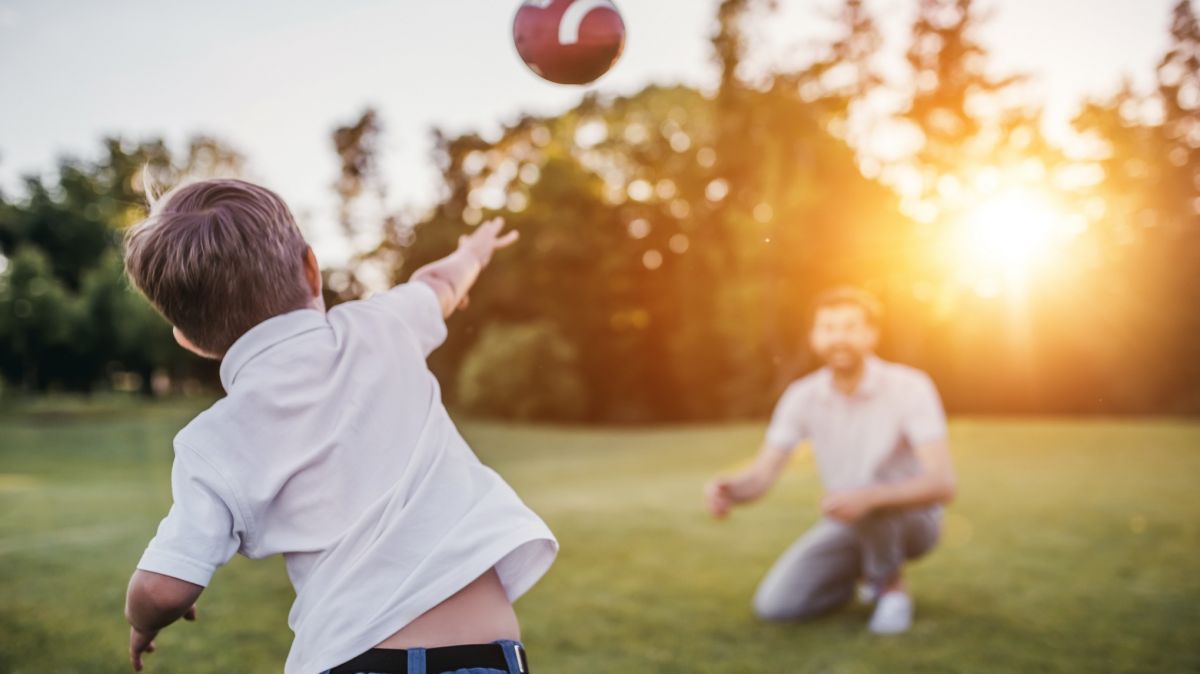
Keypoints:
pixel 872 376
pixel 265 335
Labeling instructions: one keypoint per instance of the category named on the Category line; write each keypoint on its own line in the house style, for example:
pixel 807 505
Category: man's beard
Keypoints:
pixel 843 359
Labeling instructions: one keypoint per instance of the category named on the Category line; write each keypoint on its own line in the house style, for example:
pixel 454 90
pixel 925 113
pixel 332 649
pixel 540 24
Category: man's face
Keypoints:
pixel 842 336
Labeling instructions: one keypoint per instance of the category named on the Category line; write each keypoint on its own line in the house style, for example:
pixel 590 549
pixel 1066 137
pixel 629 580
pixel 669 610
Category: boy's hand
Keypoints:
pixel 139 643
pixel 452 276
pixel 143 642
pixel 486 240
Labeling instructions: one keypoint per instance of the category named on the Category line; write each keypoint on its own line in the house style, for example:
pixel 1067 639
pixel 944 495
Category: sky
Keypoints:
pixel 273 78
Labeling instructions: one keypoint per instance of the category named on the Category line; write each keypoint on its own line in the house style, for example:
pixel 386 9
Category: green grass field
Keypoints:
pixel 1074 547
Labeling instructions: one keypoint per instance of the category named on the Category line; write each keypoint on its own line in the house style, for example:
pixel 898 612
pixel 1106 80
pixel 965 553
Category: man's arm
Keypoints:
pixel 936 483
pixel 153 602
pixel 784 433
pixel 452 276
pixel 748 484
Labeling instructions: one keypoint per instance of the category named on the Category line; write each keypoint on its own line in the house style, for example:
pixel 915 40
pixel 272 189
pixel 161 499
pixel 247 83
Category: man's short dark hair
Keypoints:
pixel 843 296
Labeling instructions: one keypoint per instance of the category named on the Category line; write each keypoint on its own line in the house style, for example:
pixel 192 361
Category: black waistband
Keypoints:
pixel 447 659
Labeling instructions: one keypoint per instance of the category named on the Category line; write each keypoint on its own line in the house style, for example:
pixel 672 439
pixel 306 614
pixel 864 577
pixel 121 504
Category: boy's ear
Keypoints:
pixel 182 340
pixel 312 273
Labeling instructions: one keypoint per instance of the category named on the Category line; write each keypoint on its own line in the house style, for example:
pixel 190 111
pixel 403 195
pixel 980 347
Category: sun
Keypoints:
pixel 1006 236
pixel 1010 231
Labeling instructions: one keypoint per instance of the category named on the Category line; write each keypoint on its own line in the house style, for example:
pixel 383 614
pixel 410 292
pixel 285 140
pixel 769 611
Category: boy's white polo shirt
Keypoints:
pixel 332 448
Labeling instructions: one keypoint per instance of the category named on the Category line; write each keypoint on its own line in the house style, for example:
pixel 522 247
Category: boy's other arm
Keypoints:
pixel 452 276
pixel 153 602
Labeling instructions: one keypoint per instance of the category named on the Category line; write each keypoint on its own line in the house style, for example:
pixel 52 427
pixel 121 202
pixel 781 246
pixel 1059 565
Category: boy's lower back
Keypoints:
pixel 474 630
pixel 480 613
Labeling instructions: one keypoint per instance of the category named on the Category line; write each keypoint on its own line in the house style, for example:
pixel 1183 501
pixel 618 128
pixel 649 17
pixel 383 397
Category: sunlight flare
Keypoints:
pixel 1000 241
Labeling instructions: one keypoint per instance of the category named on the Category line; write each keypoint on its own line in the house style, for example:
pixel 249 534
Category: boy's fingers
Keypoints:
pixel 508 239
pixel 489 228
pixel 191 613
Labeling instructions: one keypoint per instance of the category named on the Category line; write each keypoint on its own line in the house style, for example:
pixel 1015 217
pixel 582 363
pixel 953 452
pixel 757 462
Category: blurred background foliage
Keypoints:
pixel 68 319
pixel 672 240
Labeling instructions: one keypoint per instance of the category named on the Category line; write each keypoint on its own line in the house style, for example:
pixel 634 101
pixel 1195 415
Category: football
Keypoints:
pixel 569 41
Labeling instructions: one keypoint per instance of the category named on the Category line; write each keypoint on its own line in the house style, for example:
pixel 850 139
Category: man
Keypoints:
pixel 878 433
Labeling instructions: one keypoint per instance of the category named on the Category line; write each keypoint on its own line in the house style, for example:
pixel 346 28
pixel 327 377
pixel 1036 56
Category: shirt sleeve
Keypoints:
pixel 417 306
pixel 787 428
pixel 202 530
pixel 924 419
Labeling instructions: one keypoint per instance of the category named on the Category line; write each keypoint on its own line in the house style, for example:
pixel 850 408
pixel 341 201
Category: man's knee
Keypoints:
pixel 773 610
pixel 891 539
pixel 802 604
pixel 770 610
pixel 923 536
pixel 814 575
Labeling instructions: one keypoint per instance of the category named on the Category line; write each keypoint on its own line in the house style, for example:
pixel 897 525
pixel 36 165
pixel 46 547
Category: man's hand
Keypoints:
pixel 935 484
pixel 718 496
pixel 747 485
pixel 848 506
pixel 486 239
pixel 143 642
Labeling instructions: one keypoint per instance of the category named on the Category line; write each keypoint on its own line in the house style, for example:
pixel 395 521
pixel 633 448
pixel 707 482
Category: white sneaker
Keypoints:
pixel 893 614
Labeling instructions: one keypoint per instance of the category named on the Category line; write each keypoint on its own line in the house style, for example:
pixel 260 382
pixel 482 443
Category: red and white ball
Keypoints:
pixel 569 41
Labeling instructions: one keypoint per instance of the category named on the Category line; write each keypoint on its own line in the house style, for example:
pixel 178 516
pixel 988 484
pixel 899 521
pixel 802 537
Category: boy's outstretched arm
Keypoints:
pixel 153 602
pixel 452 276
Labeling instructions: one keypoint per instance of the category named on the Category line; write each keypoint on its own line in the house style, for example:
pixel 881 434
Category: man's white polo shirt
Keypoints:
pixel 865 438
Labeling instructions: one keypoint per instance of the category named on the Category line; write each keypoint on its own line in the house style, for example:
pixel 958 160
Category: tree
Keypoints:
pixel 68 318
pixel 952 93
pixel 37 319
pixel 1147 234
pixel 671 238
pixel 526 372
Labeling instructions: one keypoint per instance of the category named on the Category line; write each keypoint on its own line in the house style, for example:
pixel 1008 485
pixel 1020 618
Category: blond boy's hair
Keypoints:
pixel 216 258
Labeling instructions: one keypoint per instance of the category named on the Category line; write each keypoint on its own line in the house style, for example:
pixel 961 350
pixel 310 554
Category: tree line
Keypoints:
pixel 673 240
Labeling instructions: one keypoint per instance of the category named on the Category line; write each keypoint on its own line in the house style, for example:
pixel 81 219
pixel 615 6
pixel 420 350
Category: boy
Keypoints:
pixel 331 447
